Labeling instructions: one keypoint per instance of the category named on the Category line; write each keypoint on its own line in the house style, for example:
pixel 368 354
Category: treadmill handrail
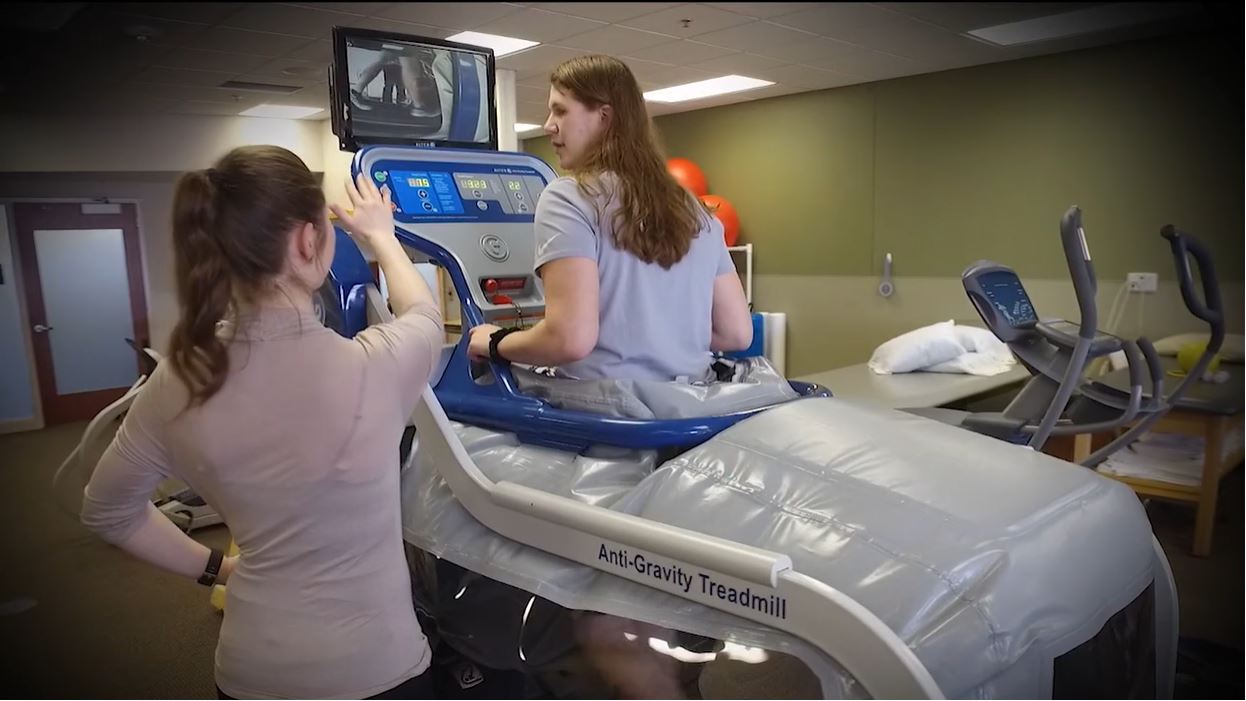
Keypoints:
pixel 504 406
pixel 825 617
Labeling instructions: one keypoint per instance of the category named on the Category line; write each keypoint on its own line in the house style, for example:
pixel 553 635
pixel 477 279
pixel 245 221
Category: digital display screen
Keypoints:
pixel 474 184
pixel 1006 294
pixel 421 192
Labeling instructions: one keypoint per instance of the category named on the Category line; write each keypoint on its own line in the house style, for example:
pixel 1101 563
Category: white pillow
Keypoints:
pixel 917 349
pixel 1231 350
pixel 972 363
pixel 977 340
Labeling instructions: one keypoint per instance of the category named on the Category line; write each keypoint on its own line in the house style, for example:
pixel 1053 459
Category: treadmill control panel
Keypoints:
pixel 459 192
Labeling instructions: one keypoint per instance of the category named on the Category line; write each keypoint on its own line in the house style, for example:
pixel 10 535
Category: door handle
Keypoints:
pixel 40 328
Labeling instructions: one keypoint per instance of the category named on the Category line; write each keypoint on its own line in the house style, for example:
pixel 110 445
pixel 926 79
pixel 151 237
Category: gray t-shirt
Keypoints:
pixel 654 324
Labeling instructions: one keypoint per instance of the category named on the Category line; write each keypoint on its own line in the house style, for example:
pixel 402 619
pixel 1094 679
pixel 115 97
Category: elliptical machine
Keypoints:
pixel 1058 399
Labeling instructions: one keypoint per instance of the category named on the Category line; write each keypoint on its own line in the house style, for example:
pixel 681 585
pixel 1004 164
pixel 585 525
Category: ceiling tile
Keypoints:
pixel 204 12
pixel 606 11
pixel 871 65
pixel 354 8
pixel 130 54
pixel 682 52
pixel 247 42
pixel 316 95
pixel 649 72
pixel 539 25
pixel 177 76
pixel 804 76
pixel 292 71
pixel 288 19
pixel 802 46
pixel 136 104
pixel 214 108
pixel 754 35
pixel 881 29
pixel 762 9
pixel 539 59
pixel 614 40
pixel 281 80
pixel 177 92
pixel 807 49
pixel 211 61
pixel 738 64
pixel 677 75
pixel 831 18
pixel 702 19
pixel 964 16
pixel 907 37
pixel 319 51
pixel 383 24
pixel 161 32
pixel 88 76
pixel 48 93
pixel 453 15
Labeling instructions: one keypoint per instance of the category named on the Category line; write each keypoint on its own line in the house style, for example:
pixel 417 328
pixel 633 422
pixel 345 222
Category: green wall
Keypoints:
pixel 540 147
pixel 947 168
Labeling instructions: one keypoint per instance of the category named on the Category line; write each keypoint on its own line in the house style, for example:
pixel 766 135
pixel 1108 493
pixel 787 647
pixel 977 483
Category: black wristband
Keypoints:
pixel 208 578
pixel 494 339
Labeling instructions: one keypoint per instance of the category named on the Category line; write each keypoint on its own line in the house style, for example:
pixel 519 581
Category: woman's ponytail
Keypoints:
pixel 231 227
pixel 204 287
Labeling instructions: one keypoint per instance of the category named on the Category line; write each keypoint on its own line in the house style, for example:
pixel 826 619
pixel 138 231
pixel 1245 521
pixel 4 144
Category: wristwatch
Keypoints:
pixel 494 339
pixel 208 578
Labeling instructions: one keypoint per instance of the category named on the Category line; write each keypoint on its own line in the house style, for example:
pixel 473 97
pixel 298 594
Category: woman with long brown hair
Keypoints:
pixel 638 285
pixel 638 281
pixel 288 430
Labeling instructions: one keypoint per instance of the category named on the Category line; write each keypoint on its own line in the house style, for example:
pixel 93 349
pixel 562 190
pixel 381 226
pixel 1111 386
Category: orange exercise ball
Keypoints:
pixel 727 215
pixel 688 175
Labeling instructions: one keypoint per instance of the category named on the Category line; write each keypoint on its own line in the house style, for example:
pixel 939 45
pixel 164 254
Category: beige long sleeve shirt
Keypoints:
pixel 298 451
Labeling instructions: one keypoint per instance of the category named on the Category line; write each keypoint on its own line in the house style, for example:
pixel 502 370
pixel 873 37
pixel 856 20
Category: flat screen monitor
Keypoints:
pixel 392 88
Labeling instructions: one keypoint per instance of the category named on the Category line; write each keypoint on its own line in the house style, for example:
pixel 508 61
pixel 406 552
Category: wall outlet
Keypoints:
pixel 1142 282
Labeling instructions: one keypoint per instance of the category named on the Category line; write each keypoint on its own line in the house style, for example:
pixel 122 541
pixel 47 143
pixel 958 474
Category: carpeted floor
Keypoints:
pixel 81 619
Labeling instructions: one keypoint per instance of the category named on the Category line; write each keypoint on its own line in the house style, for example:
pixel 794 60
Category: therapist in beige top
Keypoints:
pixel 289 430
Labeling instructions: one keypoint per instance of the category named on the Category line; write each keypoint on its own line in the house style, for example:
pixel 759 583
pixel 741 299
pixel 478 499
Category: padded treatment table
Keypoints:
pixel 860 385
pixel 1208 410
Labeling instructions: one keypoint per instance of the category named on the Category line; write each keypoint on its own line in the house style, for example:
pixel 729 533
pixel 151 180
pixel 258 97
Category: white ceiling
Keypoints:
pixel 84 57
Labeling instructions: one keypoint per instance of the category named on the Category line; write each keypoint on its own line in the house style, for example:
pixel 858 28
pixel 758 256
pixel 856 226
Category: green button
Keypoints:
pixel 379 175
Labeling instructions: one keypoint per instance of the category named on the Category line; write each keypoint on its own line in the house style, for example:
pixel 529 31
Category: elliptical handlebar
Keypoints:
pixel 1156 368
pixel 1081 270
pixel 1184 245
pixel 1212 311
